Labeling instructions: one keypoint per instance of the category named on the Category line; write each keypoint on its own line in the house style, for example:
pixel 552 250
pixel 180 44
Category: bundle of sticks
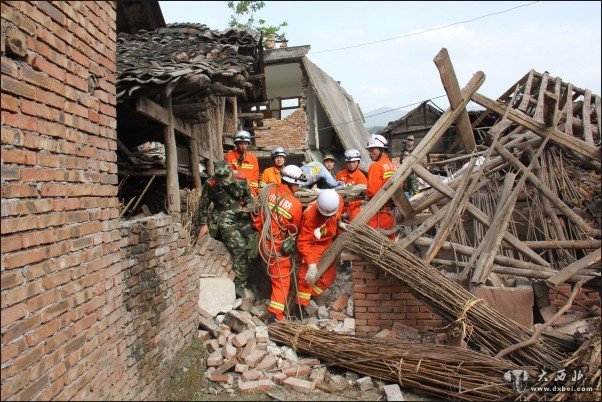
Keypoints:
pixel 446 371
pixel 481 324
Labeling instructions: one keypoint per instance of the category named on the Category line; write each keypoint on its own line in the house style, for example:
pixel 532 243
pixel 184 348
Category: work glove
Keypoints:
pixel 317 233
pixel 342 225
pixel 312 274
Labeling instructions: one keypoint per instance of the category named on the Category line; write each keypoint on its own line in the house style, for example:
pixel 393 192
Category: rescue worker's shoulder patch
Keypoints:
pixel 239 175
pixel 212 182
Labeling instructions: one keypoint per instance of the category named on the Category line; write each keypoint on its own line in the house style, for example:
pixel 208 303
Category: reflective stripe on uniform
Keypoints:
pixel 317 290
pixel 386 175
pixel 281 211
pixel 276 305
pixel 306 296
pixel 247 166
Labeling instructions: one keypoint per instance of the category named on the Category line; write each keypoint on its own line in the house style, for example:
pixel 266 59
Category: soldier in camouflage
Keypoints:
pixel 228 222
pixel 410 185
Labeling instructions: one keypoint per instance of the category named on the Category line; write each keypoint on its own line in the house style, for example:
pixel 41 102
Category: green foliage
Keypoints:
pixel 247 9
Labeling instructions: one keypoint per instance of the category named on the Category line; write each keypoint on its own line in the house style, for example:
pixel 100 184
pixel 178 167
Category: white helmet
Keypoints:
pixel 242 135
pixel 278 152
pixel 328 202
pixel 352 155
pixel 293 174
pixel 377 141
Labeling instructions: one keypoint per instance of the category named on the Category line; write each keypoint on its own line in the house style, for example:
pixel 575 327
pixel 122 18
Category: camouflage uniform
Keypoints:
pixel 230 193
pixel 411 185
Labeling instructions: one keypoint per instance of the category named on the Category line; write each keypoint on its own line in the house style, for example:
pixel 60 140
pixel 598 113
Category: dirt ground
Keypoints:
pixel 185 381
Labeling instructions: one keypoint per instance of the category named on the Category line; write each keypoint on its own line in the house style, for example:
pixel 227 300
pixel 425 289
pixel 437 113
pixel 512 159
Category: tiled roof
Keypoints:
pixel 180 51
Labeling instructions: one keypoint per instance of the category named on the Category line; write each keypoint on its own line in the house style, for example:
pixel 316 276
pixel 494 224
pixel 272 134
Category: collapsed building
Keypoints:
pixel 99 127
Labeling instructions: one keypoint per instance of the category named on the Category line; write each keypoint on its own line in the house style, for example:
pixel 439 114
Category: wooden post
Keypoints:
pixel 524 102
pixel 193 154
pixel 452 89
pixel 171 162
pixel 234 101
pixel 219 129
pixel 587 126
pixel 392 185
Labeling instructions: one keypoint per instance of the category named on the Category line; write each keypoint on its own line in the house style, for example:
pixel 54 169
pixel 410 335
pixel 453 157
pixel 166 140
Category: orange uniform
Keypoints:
pixel 249 166
pixel 378 173
pixel 287 215
pixel 352 208
pixel 311 249
pixel 271 175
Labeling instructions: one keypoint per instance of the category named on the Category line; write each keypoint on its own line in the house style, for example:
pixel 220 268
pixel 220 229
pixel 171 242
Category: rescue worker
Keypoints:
pixel 328 163
pixel 244 161
pixel 318 229
pixel 317 174
pixel 410 185
pixel 352 175
pixel 272 174
pixel 378 173
pixel 286 212
pixel 229 193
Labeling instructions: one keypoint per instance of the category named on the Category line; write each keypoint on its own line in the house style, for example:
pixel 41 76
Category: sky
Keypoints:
pixel 560 37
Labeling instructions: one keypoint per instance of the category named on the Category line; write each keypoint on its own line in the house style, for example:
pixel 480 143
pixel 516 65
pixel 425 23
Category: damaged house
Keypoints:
pixel 110 119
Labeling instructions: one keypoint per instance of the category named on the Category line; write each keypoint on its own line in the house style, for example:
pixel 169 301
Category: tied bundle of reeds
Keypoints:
pixel 447 371
pixel 483 325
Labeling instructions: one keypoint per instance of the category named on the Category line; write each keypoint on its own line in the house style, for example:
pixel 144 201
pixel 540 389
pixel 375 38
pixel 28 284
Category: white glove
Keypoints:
pixel 343 225
pixel 317 233
pixel 312 274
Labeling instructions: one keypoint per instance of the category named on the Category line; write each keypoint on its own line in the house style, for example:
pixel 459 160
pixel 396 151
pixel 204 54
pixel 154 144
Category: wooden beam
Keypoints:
pixel 544 190
pixel 540 129
pixel 251 116
pixel 392 185
pixel 189 108
pixel 524 102
pixel 171 161
pixel 575 268
pixel 150 109
pixel 257 103
pixel 568 244
pixel 452 89
pixel 466 250
pixel 222 90
pixel 477 214
pixel 256 128
pixel 598 116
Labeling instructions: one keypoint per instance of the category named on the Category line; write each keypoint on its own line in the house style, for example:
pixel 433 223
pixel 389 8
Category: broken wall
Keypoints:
pixel 91 305
pixel 289 133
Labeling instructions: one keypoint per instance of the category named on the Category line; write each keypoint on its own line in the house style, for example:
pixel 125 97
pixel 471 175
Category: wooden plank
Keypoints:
pixel 575 268
pixel 454 94
pixel 568 244
pixel 540 129
pixel 219 128
pixel 568 125
pixel 424 227
pixel 587 125
pixel 258 128
pixel 222 90
pixel 389 188
pixel 538 115
pixel 251 116
pixel 171 161
pixel 189 108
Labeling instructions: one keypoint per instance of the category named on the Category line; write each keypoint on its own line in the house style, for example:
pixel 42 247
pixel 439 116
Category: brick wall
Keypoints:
pixel 159 298
pixel 90 305
pixel 289 133
pixel 381 300
pixel 584 300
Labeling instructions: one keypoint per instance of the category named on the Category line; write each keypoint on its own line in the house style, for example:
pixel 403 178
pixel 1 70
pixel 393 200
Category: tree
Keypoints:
pixel 247 9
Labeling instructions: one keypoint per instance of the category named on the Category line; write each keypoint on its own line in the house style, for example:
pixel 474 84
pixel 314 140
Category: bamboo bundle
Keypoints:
pixel 446 371
pixel 482 324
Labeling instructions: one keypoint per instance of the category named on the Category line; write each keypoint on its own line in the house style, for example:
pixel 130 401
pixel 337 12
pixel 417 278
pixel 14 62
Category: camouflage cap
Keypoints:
pixel 328 156
pixel 221 169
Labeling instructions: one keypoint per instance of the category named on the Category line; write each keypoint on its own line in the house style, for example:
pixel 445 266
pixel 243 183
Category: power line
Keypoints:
pixel 387 111
pixel 426 30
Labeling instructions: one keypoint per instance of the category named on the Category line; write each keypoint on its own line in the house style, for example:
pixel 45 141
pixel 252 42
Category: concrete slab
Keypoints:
pixel 216 294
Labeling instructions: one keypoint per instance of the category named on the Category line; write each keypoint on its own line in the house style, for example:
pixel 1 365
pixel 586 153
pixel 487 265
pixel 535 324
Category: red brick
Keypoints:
pixel 12 314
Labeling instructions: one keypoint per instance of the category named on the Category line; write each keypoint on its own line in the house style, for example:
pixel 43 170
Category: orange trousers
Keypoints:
pixel 305 291
pixel 280 275
pixel 384 219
